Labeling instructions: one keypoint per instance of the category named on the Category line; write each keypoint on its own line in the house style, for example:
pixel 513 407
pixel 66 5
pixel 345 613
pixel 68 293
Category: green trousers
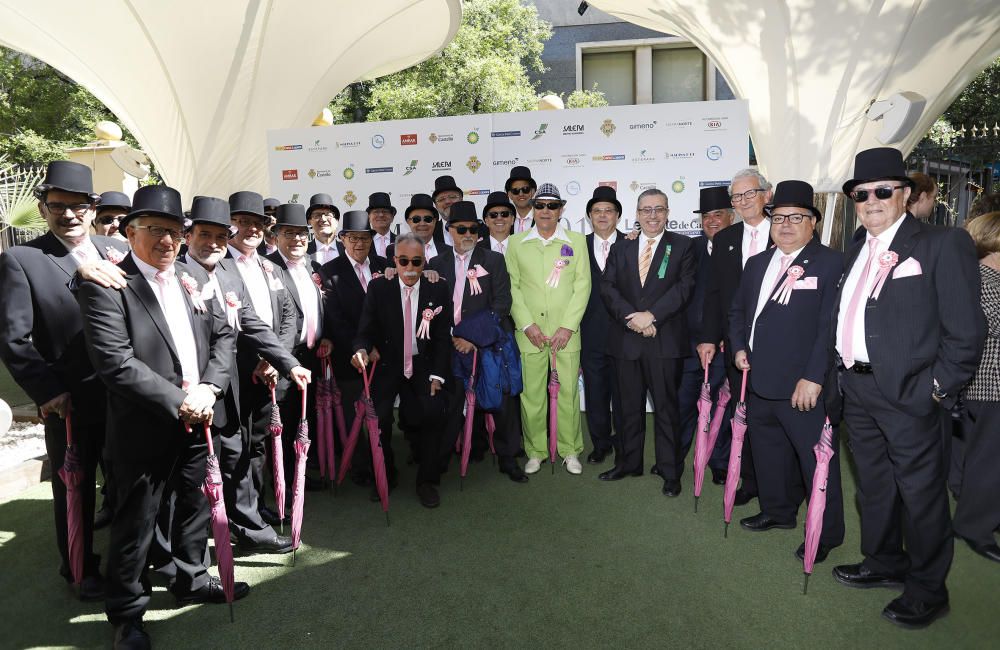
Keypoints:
pixel 535 399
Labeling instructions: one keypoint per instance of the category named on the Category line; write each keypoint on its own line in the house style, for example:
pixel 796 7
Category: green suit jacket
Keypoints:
pixel 529 264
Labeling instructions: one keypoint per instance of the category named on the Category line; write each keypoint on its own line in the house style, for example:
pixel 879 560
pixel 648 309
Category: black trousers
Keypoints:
pixel 783 451
pixel 661 378
pixel 692 377
pixel 602 398
pixel 901 485
pixel 255 413
pixel 506 420
pixel 140 487
pixel 234 450
pixel 978 512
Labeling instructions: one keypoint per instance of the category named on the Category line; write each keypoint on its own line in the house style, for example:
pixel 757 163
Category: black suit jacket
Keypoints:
pixel 133 353
pixel 390 251
pixel 345 299
pixel 696 306
pixel 495 285
pixel 381 326
pixel 41 333
pixel 927 326
pixel 726 268
pixel 792 341
pixel 664 296
pixel 289 284
pixel 596 323
pixel 283 318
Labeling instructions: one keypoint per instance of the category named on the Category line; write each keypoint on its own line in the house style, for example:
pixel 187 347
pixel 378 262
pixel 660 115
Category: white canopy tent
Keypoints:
pixel 811 68
pixel 199 82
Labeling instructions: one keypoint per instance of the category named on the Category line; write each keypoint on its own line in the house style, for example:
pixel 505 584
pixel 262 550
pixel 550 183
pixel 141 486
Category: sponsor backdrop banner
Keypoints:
pixel 678 148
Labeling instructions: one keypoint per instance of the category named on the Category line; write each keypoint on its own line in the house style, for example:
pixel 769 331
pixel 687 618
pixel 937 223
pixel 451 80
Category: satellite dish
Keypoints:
pixel 132 162
pixel 899 114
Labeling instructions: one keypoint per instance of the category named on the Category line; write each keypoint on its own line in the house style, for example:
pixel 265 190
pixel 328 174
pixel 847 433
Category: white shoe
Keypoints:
pixel 533 465
pixel 573 465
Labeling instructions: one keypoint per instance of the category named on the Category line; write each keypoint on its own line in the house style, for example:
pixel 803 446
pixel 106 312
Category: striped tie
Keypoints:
pixel 644 261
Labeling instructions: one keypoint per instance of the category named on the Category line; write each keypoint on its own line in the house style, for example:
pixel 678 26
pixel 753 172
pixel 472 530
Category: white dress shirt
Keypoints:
pixel 414 318
pixel 85 251
pixel 325 252
pixel 767 286
pixel 859 348
pixel 523 224
pixel 302 276
pixel 175 312
pixel 498 246
pixel 763 232
pixel 381 242
pixel 257 285
pixel 599 253
pixel 560 234
pixel 430 251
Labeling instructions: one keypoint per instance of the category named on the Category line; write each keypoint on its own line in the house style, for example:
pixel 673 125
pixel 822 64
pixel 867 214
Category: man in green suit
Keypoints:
pixel 550 284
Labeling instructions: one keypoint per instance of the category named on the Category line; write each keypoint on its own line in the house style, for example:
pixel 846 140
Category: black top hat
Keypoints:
pixel 114 200
pixel 878 164
pixel 210 210
pixel 420 202
pixel 380 200
pixel 606 194
pixel 493 200
pixel 519 173
pixel 156 201
pixel 317 200
pixel 355 221
pixel 67 176
pixel 247 203
pixel 291 214
pixel 271 202
pixel 445 184
pixel 713 198
pixel 793 193
pixel 463 211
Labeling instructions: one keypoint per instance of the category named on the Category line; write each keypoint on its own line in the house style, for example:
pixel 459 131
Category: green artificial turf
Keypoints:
pixel 563 561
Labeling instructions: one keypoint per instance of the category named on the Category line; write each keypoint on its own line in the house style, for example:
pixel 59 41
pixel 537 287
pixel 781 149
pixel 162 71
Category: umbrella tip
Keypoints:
pixel 805 585
pixel 725 533
pixel 696 505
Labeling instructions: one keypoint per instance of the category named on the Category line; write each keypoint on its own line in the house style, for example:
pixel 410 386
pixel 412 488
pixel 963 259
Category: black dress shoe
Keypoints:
pixel 821 552
pixel 655 471
pixel 513 471
pixel 671 487
pixel 597 456
pixel 130 635
pixel 861 577
pixel 743 497
pixel 428 495
pixel 271 517
pixel 277 545
pixel 617 474
pixel 719 476
pixel 91 589
pixel 990 550
pixel 103 517
pixel 212 593
pixel 761 522
pixel 912 614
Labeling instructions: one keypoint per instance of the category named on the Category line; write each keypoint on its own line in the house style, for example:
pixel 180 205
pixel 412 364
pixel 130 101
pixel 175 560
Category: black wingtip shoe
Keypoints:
pixel 913 615
pixel 131 635
pixel 861 577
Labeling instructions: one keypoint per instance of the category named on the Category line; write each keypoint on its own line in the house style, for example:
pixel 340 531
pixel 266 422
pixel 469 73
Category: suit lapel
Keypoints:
pixel 654 264
pixel 59 254
pixel 803 259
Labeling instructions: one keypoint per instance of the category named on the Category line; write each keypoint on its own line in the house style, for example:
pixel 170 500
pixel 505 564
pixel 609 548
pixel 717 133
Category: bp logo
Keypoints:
pixel 473 164
pixel 677 186
pixel 607 128
pixel 473 137
pixel 349 173
pixel 410 168
pixel 540 131
pixel 350 198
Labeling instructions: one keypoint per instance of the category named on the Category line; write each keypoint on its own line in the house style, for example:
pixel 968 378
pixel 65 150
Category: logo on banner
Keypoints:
pixel 350 198
pixel 712 183
pixel 612 184
pixel 410 168
pixel 540 131
pixel 349 172
pixel 289 174
pixel 642 126
pixel 608 156
pixel 473 137
pixel 477 192
pixel 505 163
pixel 505 134
pixel 444 137
pixel 713 123
pixel 607 128
pixel 318 173
pixel 378 170
pixel 636 186
pixel 573 129
pixel 714 152
pixel 295 198
pixel 539 161
pixel 408 138
pixel 378 141
pixel 573 188
pixel 288 147
pixel 678 125
pixel 473 165
pixel 317 147
pixel 677 186
pixel 441 166
pixel 643 157
pixel 350 144
pixel 572 160
pixel 674 155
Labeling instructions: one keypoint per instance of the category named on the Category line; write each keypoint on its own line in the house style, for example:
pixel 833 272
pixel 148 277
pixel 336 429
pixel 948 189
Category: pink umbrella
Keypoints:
pixel 352 440
pixel 212 487
pixel 71 474
pixel 817 501
pixel 470 409
pixel 324 405
pixel 553 412
pixel 338 406
pixel 735 455
pixel 702 450
pixel 719 414
pixel 491 428
pixel 299 486
pixel 378 459
pixel 277 459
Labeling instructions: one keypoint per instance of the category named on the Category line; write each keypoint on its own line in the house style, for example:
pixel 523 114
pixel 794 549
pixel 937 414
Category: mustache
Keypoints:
pixel 410 274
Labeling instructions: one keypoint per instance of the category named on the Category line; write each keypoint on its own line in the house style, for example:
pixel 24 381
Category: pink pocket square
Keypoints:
pixel 908 267
pixel 805 283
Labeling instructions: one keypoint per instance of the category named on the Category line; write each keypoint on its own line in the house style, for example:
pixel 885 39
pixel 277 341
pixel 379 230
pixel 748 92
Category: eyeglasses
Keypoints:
pixel 159 232
pixel 648 211
pixel 406 261
pixel 380 212
pixel 427 218
pixel 464 230
pixel 795 218
pixel 448 197
pixel 59 209
pixel 322 214
pixel 882 192
pixel 520 190
pixel 603 211
pixel 357 239
pixel 249 222
pixel 745 196
pixel 294 234
pixel 499 214
pixel 107 221
pixel 551 205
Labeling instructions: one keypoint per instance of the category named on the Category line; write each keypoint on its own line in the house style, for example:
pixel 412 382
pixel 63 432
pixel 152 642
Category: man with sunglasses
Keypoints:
pixel 111 208
pixel 550 287
pixel 446 194
pixel 422 218
pixel 521 188
pixel 498 215
pixel 408 322
pixel 908 332
pixel 41 342
pixel 779 329
pixel 323 217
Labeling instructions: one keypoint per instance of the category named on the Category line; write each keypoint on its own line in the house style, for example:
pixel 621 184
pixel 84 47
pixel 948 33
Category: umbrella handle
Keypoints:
pixel 69 429
pixel 367 378
pixel 743 388
pixel 706 373
pixel 274 399
pixel 475 357
pixel 208 438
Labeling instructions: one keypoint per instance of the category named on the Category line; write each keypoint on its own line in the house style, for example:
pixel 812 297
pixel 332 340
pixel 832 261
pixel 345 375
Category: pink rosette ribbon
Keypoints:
pixel 424 330
pixel 191 286
pixel 473 275
pixel 267 266
pixel 557 267
pixel 886 262
pixel 115 256
pixel 784 292
pixel 233 310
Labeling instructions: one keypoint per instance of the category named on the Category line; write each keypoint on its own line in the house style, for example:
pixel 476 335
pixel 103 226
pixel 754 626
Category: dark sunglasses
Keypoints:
pixel 860 196
pixel 425 218
pixel 464 230
pixel 499 214
pixel 405 261
pixel 551 205
pixel 107 221
pixel 520 190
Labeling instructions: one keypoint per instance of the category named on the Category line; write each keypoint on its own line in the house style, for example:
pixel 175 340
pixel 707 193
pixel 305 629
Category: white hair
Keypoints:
pixel 762 182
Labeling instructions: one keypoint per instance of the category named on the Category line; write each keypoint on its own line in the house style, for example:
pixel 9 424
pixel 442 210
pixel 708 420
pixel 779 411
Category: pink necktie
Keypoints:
pixel 459 292
pixel 786 261
pixel 502 247
pixel 852 307
pixel 162 279
pixel 522 224
pixel 408 334
pixel 753 244
pixel 82 254
pixel 604 252
pixel 361 276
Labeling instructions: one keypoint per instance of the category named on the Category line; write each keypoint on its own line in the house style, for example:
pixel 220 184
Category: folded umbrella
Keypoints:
pixel 324 404
pixel 739 425
pixel 817 501
pixel 719 414
pixel 702 450
pixel 375 441
pixel 491 429
pixel 71 474
pixel 470 410
pixel 212 487
pixel 352 440
pixel 553 412
pixel 299 485
pixel 277 459
pixel 338 407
